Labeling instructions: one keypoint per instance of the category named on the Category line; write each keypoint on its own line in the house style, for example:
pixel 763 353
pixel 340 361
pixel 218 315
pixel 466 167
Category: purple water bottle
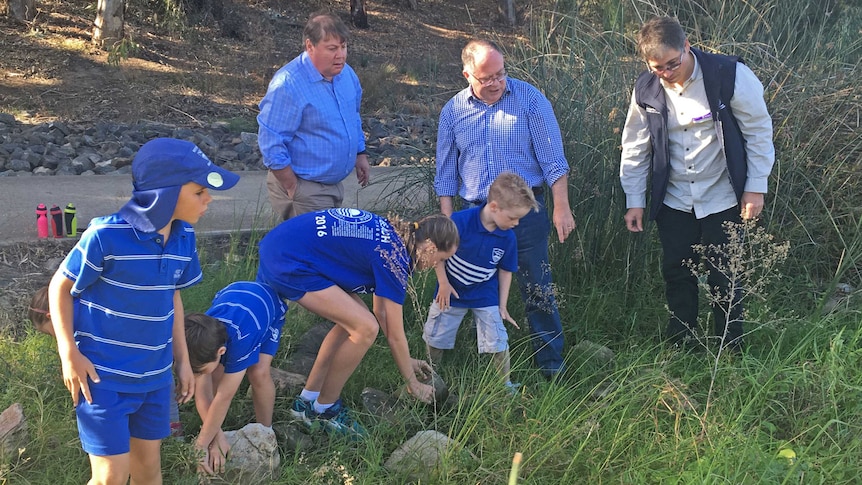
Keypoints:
pixel 57 221
pixel 42 221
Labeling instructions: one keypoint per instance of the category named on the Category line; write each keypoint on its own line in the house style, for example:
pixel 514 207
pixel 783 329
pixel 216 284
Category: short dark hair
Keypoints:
pixel 205 335
pixel 322 25
pixel 468 53
pixel 659 33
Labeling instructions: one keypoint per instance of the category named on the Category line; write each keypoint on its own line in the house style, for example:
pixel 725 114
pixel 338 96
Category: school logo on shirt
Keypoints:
pixel 351 216
pixel 497 255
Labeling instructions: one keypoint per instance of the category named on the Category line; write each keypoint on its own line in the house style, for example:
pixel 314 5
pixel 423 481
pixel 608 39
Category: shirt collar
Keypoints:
pixel 472 97
pixel 311 72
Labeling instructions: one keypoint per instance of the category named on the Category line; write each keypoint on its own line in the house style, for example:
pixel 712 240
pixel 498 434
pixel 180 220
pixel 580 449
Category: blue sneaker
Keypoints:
pixel 338 420
pixel 302 410
pixel 512 387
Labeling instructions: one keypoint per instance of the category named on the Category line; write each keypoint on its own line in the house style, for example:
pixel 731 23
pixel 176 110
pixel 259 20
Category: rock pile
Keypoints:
pixel 68 148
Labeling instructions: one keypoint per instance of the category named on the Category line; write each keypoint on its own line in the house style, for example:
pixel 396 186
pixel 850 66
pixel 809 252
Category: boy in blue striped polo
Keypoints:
pixel 238 335
pixel 479 275
pixel 118 316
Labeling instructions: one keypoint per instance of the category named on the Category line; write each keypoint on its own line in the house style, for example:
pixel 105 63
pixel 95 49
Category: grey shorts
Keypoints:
pixel 442 327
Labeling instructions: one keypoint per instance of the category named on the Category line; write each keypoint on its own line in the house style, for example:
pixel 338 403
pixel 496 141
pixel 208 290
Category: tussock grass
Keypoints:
pixel 651 415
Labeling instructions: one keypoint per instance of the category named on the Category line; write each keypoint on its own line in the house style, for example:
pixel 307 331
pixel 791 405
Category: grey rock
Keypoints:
pixel 18 165
pixel 13 432
pixel 420 454
pixel 253 454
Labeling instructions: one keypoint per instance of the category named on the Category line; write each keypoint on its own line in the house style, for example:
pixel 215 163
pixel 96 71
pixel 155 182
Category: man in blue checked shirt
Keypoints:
pixel 495 125
pixel 310 131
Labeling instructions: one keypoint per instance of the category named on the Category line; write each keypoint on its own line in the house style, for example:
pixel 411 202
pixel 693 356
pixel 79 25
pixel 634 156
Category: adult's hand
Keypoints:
pixel 287 179
pixel 635 219
pixel 752 205
pixel 363 169
pixel 564 221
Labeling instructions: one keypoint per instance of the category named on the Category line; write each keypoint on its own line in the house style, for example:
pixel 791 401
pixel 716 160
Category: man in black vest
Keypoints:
pixel 699 136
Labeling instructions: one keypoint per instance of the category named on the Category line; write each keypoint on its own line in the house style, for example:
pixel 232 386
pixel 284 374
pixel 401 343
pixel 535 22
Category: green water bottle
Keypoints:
pixel 71 220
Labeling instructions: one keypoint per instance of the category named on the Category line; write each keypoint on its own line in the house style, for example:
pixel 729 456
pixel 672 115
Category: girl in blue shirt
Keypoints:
pixel 323 260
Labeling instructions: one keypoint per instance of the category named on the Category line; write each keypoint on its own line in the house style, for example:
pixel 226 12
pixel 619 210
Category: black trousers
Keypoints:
pixel 678 231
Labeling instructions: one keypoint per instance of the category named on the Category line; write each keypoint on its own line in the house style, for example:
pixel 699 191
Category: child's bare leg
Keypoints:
pixel 262 389
pixel 109 470
pixel 145 462
pixel 434 354
pixel 345 345
pixel 502 363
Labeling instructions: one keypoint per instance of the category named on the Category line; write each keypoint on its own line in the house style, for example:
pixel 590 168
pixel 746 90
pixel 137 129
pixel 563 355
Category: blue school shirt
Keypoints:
pixel 124 283
pixel 472 271
pixel 252 313
pixel 356 250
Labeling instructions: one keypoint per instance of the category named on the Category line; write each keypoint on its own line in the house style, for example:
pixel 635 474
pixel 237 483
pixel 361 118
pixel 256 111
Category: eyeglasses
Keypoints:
pixel 500 76
pixel 670 67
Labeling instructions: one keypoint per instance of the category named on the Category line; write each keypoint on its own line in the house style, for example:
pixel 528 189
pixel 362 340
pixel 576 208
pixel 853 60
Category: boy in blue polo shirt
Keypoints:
pixel 479 275
pixel 117 313
pixel 238 335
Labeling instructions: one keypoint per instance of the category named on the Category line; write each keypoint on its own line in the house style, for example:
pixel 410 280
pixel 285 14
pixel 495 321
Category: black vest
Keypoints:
pixel 719 76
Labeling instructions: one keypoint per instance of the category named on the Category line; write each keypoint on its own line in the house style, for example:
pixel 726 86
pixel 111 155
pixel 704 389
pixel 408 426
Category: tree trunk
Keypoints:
pixel 22 10
pixel 357 14
pixel 507 12
pixel 108 28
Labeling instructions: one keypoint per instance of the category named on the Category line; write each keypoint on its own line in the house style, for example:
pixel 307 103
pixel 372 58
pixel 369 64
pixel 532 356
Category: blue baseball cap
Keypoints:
pixel 159 170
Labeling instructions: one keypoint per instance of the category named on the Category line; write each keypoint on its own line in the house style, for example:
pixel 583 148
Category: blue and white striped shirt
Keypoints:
pixel 476 142
pixel 252 314
pixel 124 282
pixel 311 124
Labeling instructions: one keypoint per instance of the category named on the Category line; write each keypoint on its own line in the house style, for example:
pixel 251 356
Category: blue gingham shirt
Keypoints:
pixel 476 142
pixel 311 124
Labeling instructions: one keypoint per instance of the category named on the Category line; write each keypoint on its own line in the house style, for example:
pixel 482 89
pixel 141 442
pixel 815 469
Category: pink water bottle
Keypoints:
pixel 57 221
pixel 42 221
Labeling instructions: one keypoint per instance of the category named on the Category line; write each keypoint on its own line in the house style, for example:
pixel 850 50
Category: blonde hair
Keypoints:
pixel 510 191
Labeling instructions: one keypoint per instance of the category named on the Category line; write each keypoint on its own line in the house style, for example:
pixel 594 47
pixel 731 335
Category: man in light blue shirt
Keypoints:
pixel 497 125
pixel 310 131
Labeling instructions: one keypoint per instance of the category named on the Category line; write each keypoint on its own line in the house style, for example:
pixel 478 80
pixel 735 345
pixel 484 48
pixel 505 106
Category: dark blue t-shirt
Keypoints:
pixel 353 249
pixel 472 271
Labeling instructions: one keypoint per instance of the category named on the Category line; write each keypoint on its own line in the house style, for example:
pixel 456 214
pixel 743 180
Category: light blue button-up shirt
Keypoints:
pixel 476 141
pixel 310 124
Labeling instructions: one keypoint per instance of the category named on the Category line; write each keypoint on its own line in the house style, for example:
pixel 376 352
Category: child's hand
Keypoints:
pixel 504 314
pixel 218 451
pixel 76 370
pixel 422 392
pixel 444 294
pixel 421 369
pixel 185 383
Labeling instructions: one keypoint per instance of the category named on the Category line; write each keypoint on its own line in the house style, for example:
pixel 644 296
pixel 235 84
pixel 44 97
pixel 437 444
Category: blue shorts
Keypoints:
pixel 442 327
pixel 300 285
pixel 270 345
pixel 106 426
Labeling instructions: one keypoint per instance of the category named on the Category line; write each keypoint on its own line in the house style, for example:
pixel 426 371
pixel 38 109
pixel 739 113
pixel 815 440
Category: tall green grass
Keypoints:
pixel 652 415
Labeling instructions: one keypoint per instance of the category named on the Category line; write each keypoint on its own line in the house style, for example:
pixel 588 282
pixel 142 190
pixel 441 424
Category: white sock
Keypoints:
pixel 321 408
pixel 309 396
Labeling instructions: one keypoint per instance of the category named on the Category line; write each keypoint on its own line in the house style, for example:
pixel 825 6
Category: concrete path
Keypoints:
pixel 404 190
